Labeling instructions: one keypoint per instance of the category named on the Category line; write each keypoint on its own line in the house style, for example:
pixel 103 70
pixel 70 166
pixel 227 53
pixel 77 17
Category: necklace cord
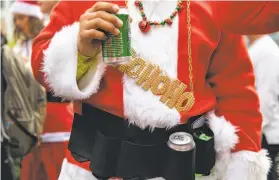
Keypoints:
pixel 190 46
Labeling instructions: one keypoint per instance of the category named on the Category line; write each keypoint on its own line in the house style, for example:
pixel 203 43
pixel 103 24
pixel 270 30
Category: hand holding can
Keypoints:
pixel 94 22
pixel 117 48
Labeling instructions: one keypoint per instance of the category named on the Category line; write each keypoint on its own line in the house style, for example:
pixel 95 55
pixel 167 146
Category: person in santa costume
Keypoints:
pixel 28 23
pixel 46 8
pixel 184 67
pixel 45 161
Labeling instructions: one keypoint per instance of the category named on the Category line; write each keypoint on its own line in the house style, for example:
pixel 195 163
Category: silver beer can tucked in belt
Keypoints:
pixel 181 141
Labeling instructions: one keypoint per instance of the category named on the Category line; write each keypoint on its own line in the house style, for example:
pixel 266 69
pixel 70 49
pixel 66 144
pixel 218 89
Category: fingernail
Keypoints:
pixel 117 31
pixel 115 8
pixel 119 23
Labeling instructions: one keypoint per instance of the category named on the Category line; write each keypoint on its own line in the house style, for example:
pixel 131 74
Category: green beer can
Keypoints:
pixel 117 49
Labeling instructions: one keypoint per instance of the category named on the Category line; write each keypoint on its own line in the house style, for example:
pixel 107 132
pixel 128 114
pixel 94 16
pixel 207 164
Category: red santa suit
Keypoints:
pixel 45 161
pixel 222 74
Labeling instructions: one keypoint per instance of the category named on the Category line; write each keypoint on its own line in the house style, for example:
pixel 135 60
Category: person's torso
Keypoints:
pixel 166 47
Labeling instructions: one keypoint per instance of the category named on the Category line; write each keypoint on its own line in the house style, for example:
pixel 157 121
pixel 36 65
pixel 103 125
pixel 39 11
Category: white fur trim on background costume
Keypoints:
pixel 27 9
pixel 60 67
pixel 55 137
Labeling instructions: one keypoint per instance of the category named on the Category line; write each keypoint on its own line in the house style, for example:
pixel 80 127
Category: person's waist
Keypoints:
pixel 98 131
pixel 205 102
pixel 118 127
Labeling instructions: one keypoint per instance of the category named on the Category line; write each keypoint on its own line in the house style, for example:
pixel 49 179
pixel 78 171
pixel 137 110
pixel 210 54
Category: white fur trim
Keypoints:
pixel 247 165
pixel 159 46
pixel 224 132
pixel 242 165
pixel 26 9
pixel 55 137
pixel 60 66
pixel 73 172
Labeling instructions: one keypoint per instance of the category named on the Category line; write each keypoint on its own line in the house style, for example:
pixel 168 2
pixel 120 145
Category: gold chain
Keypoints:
pixel 189 44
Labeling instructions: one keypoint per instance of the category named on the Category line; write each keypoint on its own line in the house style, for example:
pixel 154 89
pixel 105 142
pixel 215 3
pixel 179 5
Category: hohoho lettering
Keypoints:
pixel 150 77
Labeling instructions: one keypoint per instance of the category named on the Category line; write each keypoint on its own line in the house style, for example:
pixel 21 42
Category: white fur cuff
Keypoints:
pixel 60 66
pixel 242 165
pixel 247 165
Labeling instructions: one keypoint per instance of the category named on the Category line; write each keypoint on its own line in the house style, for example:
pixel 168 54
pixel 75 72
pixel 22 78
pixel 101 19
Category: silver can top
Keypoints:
pixel 180 138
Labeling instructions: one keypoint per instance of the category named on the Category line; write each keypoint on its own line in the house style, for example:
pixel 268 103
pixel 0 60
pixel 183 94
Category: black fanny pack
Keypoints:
pixel 116 148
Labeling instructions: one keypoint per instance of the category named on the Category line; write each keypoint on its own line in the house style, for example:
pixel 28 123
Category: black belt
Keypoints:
pixel 51 98
pixel 119 149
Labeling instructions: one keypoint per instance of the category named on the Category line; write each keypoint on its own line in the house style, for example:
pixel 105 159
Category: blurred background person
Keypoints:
pixel 46 8
pixel 7 164
pixel 27 25
pixel 45 161
pixel 264 53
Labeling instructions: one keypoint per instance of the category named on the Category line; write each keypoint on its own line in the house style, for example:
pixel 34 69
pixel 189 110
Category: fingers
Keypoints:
pixel 105 16
pixel 99 23
pixel 104 6
pixel 93 34
pixel 94 24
